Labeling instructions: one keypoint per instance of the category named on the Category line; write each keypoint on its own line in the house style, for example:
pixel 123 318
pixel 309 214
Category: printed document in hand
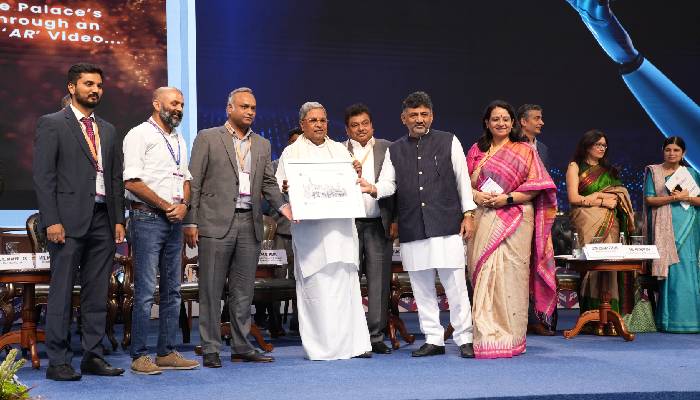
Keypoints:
pixel 324 189
pixel 490 186
pixel 683 179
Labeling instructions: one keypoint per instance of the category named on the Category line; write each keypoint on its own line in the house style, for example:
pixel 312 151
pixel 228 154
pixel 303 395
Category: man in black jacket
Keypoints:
pixel 78 183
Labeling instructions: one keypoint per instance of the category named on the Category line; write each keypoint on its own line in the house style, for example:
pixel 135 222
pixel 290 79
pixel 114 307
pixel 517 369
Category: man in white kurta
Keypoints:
pixel 428 172
pixel 332 320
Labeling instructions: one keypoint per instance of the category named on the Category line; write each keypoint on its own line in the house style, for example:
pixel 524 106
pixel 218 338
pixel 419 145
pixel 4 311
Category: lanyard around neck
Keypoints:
pixel 167 142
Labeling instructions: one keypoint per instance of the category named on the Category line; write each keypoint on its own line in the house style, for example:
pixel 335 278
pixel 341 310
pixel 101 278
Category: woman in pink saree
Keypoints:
pixel 511 252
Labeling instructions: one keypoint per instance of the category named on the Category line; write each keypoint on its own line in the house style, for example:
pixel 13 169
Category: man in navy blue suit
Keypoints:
pixel 530 121
pixel 78 183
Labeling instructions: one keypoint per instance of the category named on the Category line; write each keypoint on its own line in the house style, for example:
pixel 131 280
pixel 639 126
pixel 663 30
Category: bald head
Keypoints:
pixel 168 103
pixel 158 93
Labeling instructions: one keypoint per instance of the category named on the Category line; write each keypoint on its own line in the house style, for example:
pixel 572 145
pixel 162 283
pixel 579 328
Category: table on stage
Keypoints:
pixel 28 336
pixel 604 315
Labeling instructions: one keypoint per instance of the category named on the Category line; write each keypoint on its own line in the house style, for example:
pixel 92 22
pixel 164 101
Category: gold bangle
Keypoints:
pixel 469 213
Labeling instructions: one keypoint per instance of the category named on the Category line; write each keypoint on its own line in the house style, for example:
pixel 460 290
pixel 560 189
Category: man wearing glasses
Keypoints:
pixel 332 321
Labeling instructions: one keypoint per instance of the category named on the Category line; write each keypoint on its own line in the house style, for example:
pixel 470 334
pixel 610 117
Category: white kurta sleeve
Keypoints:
pixel 464 187
pixel 386 184
pixel 280 174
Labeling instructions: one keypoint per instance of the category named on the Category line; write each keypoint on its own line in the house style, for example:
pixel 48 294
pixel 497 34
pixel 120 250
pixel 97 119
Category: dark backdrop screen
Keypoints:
pixel 463 53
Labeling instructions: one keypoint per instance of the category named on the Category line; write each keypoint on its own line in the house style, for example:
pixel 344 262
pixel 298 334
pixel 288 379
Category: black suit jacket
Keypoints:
pixel 543 152
pixel 386 205
pixel 64 175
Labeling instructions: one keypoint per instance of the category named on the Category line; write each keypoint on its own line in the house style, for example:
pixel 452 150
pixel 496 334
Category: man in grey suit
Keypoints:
pixel 377 231
pixel 231 172
pixel 530 121
pixel 78 183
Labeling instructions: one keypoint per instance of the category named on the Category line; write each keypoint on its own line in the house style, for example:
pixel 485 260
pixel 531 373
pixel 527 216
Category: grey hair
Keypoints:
pixel 308 106
pixel 239 90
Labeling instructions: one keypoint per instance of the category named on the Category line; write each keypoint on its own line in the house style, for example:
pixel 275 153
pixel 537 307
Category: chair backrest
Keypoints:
pixel 562 234
pixel 37 236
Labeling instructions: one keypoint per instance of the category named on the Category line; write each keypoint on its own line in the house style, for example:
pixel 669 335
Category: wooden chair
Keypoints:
pixel 10 291
pixel 268 288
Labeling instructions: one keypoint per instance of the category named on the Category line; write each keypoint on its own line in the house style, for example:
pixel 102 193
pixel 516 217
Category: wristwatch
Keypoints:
pixel 509 200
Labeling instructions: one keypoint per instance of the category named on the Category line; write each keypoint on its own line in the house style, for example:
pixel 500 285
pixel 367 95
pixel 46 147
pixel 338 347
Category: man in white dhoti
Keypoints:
pixel 332 320
pixel 428 172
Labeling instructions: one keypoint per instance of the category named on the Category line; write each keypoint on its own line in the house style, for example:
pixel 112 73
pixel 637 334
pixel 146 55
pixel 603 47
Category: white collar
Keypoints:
pixel 79 115
pixel 356 145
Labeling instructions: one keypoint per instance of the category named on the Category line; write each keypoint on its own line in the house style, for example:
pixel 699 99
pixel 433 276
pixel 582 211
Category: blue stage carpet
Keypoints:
pixel 654 366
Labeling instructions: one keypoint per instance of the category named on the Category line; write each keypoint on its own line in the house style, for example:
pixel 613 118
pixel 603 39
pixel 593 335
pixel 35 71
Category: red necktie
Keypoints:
pixel 90 131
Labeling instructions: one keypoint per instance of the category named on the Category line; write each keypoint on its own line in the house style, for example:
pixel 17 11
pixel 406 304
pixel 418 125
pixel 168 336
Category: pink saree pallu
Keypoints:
pixel 511 254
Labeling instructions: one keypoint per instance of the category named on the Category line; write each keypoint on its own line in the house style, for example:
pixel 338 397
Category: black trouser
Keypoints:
pixel 93 253
pixel 375 263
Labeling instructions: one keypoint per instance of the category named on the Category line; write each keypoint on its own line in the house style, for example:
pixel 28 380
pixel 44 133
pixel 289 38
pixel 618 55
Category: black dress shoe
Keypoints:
pixel 428 349
pixel 467 350
pixel 253 356
pixel 540 329
pixel 366 354
pixel 62 373
pixel 380 348
pixel 97 366
pixel 212 360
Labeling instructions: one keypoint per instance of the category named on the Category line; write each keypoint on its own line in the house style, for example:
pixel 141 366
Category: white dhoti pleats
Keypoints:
pixel 332 320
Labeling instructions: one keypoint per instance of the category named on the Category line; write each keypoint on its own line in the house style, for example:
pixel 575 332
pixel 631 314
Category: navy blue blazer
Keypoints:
pixel 64 174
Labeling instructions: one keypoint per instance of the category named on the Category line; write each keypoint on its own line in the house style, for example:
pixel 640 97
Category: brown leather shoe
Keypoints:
pixel 539 329
pixel 253 356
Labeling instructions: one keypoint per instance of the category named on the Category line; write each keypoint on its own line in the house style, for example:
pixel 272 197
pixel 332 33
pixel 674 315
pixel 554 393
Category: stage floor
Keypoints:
pixel 654 366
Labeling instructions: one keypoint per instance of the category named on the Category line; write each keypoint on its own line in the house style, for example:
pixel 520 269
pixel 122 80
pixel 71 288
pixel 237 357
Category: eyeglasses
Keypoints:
pixel 314 121
pixel 600 145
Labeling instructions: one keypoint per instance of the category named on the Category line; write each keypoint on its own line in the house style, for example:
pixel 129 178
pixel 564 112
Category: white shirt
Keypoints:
pixel 244 147
pixel 148 158
pixel 434 252
pixel 366 154
pixel 79 115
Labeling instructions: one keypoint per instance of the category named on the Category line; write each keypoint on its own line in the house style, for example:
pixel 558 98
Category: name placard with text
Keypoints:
pixel 604 251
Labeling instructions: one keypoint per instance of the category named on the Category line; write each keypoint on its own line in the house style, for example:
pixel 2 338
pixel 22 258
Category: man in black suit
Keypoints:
pixel 530 122
pixel 78 183
pixel 377 231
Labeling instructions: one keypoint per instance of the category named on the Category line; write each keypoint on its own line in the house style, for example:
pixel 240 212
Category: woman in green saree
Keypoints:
pixel 675 229
pixel 600 209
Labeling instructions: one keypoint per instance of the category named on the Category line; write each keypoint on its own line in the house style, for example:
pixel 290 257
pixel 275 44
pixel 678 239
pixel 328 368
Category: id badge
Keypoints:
pixel 100 184
pixel 177 190
pixel 244 183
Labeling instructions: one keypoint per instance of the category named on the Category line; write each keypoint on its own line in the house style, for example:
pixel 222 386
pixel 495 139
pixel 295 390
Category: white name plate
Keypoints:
pixel 646 252
pixel 16 261
pixel 43 261
pixel 272 257
pixel 604 251
pixel 396 254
